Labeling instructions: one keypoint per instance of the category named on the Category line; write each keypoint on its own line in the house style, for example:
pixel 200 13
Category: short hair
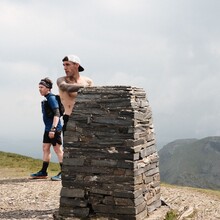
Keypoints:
pixel 65 59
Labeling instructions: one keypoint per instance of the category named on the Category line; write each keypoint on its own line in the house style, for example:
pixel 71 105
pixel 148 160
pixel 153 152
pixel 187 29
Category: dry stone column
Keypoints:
pixel 110 166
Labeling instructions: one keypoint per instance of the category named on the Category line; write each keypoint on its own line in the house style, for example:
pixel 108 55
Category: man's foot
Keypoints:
pixel 57 177
pixel 39 175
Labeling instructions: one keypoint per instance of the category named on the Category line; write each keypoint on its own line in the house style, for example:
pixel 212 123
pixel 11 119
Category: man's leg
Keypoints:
pixel 58 149
pixel 46 156
pixel 46 160
pixel 59 152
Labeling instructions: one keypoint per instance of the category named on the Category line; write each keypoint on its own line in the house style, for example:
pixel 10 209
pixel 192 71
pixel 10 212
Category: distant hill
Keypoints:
pixel 191 162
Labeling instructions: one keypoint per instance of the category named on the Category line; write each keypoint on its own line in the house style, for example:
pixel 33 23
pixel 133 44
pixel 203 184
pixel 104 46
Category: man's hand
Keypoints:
pixel 51 134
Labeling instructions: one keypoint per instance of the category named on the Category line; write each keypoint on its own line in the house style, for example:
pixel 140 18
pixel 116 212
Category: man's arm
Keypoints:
pixel 55 122
pixel 68 87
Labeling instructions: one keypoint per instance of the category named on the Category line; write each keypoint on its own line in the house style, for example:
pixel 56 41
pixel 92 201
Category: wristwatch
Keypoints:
pixel 53 129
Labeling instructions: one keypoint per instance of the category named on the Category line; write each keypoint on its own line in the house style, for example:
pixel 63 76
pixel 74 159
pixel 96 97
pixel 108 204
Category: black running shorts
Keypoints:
pixel 56 140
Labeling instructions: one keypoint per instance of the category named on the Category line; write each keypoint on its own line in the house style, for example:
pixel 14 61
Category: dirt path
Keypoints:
pixel 39 199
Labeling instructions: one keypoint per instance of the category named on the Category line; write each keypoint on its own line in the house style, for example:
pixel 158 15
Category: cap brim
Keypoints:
pixel 80 68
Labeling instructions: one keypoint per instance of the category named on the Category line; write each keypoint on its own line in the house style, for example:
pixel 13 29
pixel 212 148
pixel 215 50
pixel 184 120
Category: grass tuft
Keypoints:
pixel 171 215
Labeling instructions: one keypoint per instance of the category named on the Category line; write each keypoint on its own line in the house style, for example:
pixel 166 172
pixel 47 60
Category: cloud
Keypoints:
pixel 170 48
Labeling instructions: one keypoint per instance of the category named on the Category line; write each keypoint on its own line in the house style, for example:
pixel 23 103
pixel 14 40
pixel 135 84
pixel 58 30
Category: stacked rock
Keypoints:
pixel 110 165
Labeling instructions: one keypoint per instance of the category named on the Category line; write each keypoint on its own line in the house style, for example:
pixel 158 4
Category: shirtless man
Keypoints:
pixel 70 84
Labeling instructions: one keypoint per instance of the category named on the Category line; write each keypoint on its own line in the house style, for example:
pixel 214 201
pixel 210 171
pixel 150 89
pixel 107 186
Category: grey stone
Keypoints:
pixel 110 166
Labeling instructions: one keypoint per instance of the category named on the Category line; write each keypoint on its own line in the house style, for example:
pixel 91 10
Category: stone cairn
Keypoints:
pixel 111 166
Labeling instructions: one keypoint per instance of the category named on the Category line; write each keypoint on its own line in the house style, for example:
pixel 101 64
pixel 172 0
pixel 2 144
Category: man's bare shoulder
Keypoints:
pixel 88 80
pixel 60 80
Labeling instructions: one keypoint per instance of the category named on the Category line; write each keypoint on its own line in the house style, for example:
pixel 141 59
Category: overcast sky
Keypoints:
pixel 171 48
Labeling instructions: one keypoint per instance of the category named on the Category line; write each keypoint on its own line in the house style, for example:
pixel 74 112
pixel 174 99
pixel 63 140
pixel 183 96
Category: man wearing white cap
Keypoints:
pixel 70 84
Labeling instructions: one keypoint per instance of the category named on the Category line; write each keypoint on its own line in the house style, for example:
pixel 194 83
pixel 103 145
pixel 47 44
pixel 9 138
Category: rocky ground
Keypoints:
pixel 22 198
pixel 192 203
pixel 28 199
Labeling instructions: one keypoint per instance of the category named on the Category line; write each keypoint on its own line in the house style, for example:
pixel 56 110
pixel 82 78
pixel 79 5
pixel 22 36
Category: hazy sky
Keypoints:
pixel 171 48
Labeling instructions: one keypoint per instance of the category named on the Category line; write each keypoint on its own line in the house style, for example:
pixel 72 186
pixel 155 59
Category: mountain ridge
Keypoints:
pixel 191 162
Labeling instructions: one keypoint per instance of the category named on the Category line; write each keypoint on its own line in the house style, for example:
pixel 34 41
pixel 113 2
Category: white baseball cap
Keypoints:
pixel 74 59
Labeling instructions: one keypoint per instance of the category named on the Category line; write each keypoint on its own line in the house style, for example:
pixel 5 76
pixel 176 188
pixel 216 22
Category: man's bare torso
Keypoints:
pixel 67 93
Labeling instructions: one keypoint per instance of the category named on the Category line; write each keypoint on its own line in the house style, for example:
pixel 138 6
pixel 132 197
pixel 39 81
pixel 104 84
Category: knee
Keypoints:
pixel 46 149
pixel 58 150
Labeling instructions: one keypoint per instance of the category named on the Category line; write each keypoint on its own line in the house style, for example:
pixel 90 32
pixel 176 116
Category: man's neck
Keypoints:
pixel 47 94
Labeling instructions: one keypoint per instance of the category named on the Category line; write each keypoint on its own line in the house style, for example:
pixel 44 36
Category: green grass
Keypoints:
pixel 171 215
pixel 15 165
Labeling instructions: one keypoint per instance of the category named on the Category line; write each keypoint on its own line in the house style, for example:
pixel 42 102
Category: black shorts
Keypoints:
pixel 65 120
pixel 56 140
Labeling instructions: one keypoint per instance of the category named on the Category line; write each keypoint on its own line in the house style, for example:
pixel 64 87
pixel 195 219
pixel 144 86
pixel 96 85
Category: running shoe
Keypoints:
pixel 57 177
pixel 39 175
